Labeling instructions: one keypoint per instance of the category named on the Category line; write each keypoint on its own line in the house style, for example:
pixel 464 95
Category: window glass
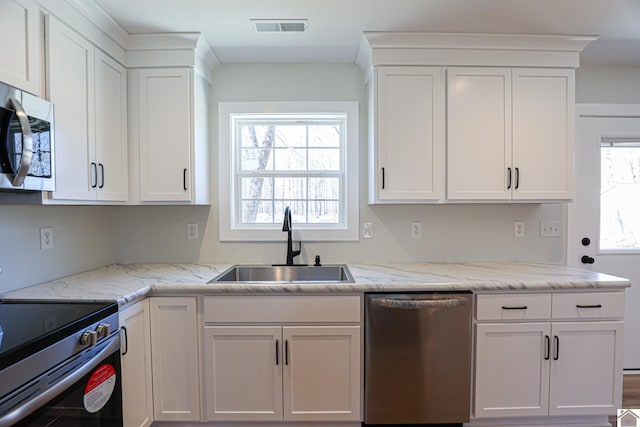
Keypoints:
pixel 620 196
pixel 295 161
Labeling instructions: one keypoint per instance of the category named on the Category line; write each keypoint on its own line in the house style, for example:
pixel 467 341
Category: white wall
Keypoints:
pixel 450 232
pixel 82 241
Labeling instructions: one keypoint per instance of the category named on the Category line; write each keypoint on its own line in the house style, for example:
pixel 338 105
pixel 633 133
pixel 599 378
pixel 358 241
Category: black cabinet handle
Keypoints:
pixel 589 306
pixel 383 178
pixel 586 259
pixel 520 307
pixel 94 173
pixel 517 178
pixel 184 179
pixel 125 340
pixel 508 178
pixel 277 352
pixel 286 352
pixel 102 175
pixel 556 342
pixel 547 354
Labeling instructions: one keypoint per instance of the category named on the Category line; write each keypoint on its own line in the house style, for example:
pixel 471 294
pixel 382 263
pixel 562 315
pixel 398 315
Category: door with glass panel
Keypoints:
pixel 604 220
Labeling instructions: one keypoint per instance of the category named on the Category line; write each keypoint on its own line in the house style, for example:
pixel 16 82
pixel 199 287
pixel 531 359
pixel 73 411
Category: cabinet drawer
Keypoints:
pixel 513 307
pixel 588 305
pixel 282 309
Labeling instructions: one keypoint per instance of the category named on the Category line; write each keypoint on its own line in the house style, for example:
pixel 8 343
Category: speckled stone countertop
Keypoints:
pixel 131 282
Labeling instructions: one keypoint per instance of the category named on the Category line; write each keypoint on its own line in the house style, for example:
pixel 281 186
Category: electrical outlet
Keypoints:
pixel 550 229
pixel 192 231
pixel 367 230
pixel 46 238
pixel 518 229
pixel 416 230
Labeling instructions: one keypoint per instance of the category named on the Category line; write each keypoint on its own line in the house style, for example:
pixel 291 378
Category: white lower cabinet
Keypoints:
pixel 137 397
pixel 531 367
pixel 174 346
pixel 279 372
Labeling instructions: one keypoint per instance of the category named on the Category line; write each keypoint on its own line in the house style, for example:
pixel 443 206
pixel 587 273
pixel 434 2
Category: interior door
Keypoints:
pixel 595 125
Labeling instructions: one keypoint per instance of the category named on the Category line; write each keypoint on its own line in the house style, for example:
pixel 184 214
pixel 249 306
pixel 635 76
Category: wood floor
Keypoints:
pixel 630 394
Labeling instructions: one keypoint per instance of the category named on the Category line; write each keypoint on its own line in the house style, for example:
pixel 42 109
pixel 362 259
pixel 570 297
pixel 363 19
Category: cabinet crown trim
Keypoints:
pixel 460 47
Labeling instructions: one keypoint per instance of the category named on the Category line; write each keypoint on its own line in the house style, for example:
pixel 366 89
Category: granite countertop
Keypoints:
pixel 130 282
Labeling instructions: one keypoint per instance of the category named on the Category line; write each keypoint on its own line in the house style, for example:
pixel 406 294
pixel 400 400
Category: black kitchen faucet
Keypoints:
pixel 286 226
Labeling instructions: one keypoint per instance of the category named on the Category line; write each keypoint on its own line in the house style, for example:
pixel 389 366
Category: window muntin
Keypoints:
pixel 620 196
pixel 290 160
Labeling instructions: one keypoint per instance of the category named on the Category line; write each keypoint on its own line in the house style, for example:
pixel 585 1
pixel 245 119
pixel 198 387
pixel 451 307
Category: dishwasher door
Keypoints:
pixel 417 358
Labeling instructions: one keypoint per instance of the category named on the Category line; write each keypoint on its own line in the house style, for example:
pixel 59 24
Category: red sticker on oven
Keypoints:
pixel 99 387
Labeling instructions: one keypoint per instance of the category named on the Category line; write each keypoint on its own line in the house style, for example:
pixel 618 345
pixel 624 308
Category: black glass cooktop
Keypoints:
pixel 27 327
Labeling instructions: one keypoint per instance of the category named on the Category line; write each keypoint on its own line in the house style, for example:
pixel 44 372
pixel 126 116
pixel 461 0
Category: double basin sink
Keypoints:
pixel 285 274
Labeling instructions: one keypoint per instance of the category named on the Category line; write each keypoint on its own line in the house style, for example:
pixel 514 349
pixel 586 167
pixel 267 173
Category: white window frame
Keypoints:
pixel 228 188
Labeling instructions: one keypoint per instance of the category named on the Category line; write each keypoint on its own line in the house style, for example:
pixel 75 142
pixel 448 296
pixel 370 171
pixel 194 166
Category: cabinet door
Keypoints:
pixel 20 32
pixel 322 373
pixel 166 134
pixel 137 397
pixel 512 369
pixel 243 371
pixel 543 133
pixel 409 134
pixel 479 134
pixel 111 129
pixel 70 85
pixel 586 368
pixel 175 362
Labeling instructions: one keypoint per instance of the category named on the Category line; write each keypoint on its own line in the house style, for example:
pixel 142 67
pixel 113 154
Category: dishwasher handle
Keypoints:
pixel 420 303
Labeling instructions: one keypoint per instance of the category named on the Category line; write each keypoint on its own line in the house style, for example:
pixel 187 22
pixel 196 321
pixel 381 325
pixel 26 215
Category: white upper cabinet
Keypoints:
pixel 165 131
pixel 509 117
pixel 543 133
pixel 89 91
pixel 21 33
pixel 510 134
pixel 479 134
pixel 407 140
pixel 169 133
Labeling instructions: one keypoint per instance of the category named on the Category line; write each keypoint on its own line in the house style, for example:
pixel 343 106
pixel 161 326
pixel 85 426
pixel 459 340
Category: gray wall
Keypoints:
pixel 608 85
pixel 89 237
pixel 82 241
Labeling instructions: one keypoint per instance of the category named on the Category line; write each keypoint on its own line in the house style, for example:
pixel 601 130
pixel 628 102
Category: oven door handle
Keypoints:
pixel 27 144
pixel 30 406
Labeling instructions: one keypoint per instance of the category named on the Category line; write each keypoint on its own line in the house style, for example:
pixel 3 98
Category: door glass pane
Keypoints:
pixel 620 196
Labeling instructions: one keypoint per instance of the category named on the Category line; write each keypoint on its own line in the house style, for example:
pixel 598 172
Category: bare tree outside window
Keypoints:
pixel 265 144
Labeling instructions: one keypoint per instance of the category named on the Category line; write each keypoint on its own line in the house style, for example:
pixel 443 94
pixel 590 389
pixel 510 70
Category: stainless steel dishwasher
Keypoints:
pixel 417 358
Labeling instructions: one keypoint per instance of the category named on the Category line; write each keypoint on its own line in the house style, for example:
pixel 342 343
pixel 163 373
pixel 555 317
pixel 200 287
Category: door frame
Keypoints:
pixel 596 111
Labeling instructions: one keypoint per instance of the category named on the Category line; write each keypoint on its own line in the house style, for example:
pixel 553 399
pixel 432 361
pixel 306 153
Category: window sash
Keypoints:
pixel 240 121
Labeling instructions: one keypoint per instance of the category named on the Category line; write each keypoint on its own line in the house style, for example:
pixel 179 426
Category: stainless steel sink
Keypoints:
pixel 285 274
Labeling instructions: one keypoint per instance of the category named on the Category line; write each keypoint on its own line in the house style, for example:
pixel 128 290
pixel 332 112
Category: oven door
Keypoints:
pixel 89 396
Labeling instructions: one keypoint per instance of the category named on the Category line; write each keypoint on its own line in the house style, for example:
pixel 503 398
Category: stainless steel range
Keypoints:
pixel 60 364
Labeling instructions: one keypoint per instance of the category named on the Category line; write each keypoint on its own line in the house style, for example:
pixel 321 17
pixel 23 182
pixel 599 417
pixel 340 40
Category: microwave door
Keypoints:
pixel 20 152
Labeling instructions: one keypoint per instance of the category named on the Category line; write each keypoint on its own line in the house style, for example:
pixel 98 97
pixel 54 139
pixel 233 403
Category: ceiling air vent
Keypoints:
pixel 280 25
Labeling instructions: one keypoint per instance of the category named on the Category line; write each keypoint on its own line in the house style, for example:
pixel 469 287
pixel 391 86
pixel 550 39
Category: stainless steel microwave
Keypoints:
pixel 26 141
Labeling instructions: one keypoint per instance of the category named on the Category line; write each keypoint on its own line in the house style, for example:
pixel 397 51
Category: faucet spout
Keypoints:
pixel 286 226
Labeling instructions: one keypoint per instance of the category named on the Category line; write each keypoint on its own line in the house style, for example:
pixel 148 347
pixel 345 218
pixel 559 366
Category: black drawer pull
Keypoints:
pixel 277 352
pixel 520 307
pixel 589 306
pixel 557 342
